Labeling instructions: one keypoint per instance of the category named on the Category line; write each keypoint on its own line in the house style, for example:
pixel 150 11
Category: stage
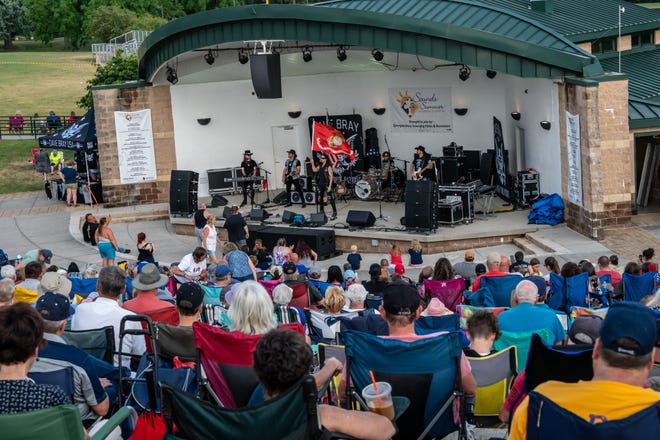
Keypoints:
pixel 503 226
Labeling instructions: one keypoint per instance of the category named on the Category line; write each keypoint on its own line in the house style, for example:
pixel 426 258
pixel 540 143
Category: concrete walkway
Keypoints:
pixel 30 220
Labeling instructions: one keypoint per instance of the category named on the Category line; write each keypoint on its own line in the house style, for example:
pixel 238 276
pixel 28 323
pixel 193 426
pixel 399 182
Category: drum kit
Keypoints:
pixel 376 184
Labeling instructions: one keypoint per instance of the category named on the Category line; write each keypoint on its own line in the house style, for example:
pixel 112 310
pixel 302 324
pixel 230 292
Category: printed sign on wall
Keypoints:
pixel 420 110
pixel 574 184
pixel 135 145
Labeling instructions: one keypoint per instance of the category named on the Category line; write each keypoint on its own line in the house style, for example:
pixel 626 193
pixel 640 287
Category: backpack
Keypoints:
pixel 4 258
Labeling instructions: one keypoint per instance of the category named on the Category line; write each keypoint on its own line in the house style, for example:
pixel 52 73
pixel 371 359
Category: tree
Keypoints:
pixel 106 22
pixel 13 21
pixel 41 14
pixel 118 70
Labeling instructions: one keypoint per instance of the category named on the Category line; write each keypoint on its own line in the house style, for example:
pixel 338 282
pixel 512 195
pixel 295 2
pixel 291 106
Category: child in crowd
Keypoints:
pixel 482 330
pixel 264 260
pixel 534 268
pixel 354 258
pixel 415 252
pixel 396 256
pixel 385 270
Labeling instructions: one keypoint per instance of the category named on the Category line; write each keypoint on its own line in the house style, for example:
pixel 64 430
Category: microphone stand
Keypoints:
pixel 267 184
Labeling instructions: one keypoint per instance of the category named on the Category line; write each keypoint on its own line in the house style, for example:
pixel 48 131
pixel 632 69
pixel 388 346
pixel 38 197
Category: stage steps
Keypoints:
pixel 534 244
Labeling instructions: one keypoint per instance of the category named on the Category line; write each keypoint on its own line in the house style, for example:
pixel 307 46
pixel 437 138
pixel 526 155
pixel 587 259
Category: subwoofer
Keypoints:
pixel 310 197
pixel 360 218
pixel 183 192
pixel 421 197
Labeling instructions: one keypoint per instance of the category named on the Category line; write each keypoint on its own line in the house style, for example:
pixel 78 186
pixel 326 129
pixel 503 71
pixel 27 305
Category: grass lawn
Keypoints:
pixel 16 174
pixel 37 78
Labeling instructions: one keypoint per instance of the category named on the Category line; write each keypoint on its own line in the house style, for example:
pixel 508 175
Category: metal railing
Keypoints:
pixel 129 43
pixel 32 126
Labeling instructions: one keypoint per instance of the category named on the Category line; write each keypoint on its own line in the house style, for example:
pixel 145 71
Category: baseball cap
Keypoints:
pixel 629 320
pixel 469 255
pixel 189 295
pixel 47 254
pixel 54 282
pixel 349 275
pixel 222 271
pixel 493 258
pixel 421 148
pixel 54 307
pixel 400 299
pixel 399 269
pixel 584 329
pixel 289 268
pixel 540 284
pixel 315 272
pixel 292 151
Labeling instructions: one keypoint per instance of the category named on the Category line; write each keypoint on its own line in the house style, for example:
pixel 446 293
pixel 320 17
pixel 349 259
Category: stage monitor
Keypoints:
pixel 266 75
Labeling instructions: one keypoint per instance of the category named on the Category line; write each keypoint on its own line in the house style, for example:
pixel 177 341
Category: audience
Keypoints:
pixel 605 269
pixel 493 261
pixel 251 310
pixel 466 268
pixel 284 314
pixel 7 289
pixel 482 330
pixel 355 294
pixel 376 284
pixel 146 286
pixel 189 299
pixel 239 263
pixel 192 267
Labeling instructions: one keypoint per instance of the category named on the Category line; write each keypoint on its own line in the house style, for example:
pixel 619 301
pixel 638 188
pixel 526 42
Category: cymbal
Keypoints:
pixel 359 172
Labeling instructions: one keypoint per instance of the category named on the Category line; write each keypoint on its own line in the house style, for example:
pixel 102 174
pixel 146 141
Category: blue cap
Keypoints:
pixel 349 275
pixel 54 307
pixel 629 320
pixel 222 271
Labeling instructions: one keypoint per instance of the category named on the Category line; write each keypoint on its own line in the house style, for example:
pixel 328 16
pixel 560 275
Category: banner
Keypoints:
pixel 420 110
pixel 135 146
pixel 350 127
pixel 331 141
pixel 503 188
pixel 574 184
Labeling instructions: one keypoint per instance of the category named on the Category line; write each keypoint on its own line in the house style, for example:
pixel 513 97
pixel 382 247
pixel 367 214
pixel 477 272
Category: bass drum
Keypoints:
pixel 363 189
pixel 342 190
pixel 399 177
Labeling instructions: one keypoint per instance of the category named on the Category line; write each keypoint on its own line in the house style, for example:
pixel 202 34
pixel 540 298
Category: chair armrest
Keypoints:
pixel 122 414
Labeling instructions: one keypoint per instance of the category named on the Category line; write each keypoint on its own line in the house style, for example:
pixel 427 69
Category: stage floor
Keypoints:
pixel 503 226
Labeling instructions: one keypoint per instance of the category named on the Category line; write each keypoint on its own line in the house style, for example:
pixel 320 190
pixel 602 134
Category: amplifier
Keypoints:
pixel 452 150
pixel 310 197
pixel 463 193
pixel 449 211
pixel 527 188
pixel 452 169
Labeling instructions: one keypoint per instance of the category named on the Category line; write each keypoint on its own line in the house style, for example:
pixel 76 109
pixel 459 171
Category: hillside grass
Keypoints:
pixel 37 78
pixel 17 174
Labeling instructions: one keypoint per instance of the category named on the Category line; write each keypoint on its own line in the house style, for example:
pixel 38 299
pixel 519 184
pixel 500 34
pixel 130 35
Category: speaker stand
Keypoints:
pixel 267 186
pixel 380 210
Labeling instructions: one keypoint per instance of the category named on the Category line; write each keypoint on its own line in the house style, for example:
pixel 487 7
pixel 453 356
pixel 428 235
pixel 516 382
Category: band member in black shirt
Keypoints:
pixel 422 165
pixel 324 177
pixel 248 169
pixel 291 176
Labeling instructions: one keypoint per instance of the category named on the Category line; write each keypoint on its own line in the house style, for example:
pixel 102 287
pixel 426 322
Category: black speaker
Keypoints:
pixel 266 75
pixel 318 219
pixel 259 214
pixel 420 205
pixel 183 192
pixel 360 218
pixel 287 216
pixel 452 169
pixel 280 198
pixel 226 212
pixel 310 197
pixel 321 240
pixel 218 200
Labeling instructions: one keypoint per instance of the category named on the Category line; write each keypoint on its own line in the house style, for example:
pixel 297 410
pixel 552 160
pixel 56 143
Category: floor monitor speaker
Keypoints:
pixel 287 216
pixel 259 214
pixel 360 218
pixel 318 219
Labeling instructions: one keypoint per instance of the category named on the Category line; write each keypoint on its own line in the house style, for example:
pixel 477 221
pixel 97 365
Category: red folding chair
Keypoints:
pixel 168 315
pixel 300 296
pixel 450 292
pixel 269 285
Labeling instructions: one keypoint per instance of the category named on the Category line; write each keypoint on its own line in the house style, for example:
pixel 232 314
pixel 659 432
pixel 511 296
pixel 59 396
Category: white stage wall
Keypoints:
pixel 240 121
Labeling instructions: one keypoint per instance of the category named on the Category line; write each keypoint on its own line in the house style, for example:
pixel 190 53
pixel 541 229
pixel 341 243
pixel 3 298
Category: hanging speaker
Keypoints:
pixel 266 75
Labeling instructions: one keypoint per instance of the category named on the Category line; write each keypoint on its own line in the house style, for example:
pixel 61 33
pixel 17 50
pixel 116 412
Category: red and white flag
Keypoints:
pixel 329 140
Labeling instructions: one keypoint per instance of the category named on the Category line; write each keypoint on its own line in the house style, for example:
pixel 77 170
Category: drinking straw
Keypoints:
pixel 373 380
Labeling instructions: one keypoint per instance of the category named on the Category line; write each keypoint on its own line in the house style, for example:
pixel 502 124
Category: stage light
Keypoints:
pixel 464 73
pixel 379 110
pixel 209 58
pixel 546 125
pixel 515 115
pixel 462 111
pixel 172 76
pixel 243 56
pixel 341 54
pixel 307 54
pixel 377 54
pixel 491 74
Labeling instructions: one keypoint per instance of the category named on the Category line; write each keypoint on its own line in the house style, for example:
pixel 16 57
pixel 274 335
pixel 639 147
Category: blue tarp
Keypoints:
pixel 547 211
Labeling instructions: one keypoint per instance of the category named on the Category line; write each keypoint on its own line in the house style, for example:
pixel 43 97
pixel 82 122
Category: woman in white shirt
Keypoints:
pixel 210 239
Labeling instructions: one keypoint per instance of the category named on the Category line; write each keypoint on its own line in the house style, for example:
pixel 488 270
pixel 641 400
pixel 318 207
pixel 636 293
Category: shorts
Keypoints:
pixel 107 250
pixel 210 253
pixel 71 186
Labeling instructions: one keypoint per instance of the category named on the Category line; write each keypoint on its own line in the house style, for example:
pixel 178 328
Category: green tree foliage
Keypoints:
pixel 107 22
pixel 70 15
pixel 13 21
pixel 41 13
pixel 118 70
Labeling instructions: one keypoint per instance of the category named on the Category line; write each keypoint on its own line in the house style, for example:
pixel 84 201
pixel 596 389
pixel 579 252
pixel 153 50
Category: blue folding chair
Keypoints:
pixel 500 288
pixel 636 287
pixel 83 287
pixel 62 378
pixel 568 292
pixel 426 325
pixel 427 372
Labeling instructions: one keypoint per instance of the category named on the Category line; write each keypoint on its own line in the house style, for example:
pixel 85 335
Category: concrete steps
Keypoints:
pixel 533 244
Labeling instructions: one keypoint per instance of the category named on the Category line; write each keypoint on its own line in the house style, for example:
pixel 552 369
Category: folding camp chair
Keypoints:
pixel 169 315
pixel 568 292
pixel 521 340
pixel 150 356
pixel 371 324
pixel 636 287
pixel 300 295
pixel 427 372
pixel 500 288
pixel 269 285
pixel 224 365
pixel 450 292
pixel 83 287
pixel 426 325
pixel 547 420
pixel 321 285
pixel 291 415
pixel 464 311
pixel 62 378
pixel 323 327
pixel 338 352
pixel 174 341
pixel 494 375
pixel 99 342
pixel 58 422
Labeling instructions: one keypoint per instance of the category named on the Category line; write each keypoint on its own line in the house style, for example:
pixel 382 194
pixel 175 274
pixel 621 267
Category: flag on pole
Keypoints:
pixel 327 139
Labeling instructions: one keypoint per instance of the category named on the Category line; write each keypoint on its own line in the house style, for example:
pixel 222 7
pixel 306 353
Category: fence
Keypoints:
pixel 32 126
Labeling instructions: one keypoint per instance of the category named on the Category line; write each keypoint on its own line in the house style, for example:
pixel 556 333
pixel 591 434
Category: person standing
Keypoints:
pixel 421 165
pixel 291 176
pixel 237 230
pixel 107 243
pixel 248 169
pixel 69 176
pixel 210 239
pixel 199 219
pixel 324 179
pixel 145 249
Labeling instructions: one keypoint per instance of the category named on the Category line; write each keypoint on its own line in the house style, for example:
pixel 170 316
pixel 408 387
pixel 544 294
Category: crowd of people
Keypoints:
pixel 254 290
pixel 17 123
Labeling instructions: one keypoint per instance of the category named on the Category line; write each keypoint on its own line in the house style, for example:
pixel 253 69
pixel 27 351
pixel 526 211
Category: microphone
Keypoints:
pixel 260 163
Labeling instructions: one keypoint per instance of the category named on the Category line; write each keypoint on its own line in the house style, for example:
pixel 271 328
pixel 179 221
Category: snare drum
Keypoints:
pixel 364 189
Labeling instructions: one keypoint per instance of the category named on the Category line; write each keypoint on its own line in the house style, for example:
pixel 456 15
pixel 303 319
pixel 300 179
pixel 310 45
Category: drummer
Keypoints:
pixel 388 166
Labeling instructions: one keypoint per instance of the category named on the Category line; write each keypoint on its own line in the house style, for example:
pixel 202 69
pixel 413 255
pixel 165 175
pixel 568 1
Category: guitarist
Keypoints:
pixel 291 176
pixel 248 169
pixel 422 165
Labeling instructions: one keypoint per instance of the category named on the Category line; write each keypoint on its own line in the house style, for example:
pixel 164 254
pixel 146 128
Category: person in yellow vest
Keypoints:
pixel 56 160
